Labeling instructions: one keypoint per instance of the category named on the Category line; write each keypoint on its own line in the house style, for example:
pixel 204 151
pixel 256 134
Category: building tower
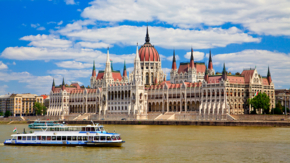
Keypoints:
pixel 210 66
pixel 108 77
pixel 173 71
pixel 53 85
pixel 63 85
pixel 125 78
pixel 93 77
pixel 191 71
pixel 137 78
pixel 224 74
pixel 269 76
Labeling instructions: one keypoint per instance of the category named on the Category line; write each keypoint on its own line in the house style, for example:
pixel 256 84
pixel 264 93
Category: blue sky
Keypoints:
pixel 46 39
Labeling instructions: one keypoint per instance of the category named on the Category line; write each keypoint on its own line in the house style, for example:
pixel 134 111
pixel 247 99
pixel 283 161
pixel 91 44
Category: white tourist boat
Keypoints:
pixel 90 135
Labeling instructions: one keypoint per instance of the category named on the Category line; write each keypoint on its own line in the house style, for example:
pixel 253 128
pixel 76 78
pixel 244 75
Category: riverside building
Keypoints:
pixel 193 88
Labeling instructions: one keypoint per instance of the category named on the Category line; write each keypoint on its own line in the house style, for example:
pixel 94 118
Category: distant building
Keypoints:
pixel 22 104
pixel 283 96
pixel 193 87
pixel 4 103
pixel 46 100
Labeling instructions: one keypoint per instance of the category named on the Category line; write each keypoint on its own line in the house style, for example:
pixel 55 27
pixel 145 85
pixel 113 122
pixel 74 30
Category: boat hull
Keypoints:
pixel 86 144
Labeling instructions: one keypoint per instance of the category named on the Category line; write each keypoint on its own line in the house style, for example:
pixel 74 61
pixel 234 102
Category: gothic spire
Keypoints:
pixel 63 81
pixel 224 74
pixel 210 66
pixel 147 38
pixel 124 70
pixel 124 65
pixel 191 57
pixel 268 74
pixel 94 69
pixel 53 84
pixel 174 61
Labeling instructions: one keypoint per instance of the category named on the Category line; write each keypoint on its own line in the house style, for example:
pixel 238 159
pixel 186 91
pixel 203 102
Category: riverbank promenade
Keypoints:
pixel 161 119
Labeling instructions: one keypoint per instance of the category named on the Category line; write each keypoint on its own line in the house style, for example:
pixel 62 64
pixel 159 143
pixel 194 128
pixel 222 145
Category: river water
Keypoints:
pixel 146 143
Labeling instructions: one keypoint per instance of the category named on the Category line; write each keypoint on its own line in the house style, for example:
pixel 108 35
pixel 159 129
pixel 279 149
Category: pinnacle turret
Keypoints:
pixel 174 61
pixel 147 38
pixel 191 59
pixel 210 66
pixel 63 81
pixel 53 83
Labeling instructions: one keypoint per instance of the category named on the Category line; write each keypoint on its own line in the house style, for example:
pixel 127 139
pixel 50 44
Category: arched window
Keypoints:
pixel 147 78
pixel 152 78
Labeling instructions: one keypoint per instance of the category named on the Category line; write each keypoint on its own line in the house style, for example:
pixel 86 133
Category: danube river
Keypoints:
pixel 165 144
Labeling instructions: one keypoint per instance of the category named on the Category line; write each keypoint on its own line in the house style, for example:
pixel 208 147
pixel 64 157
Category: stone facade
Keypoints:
pixel 193 87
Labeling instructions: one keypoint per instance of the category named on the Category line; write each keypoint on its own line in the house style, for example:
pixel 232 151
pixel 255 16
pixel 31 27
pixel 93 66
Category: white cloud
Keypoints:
pixel 60 23
pixel 262 17
pixel 3 66
pixel 35 25
pixel 40 28
pixel 69 2
pixel 170 58
pixel 77 25
pixel 46 41
pixel 51 22
pixel 79 10
pixel 279 63
pixel 14 63
pixel 163 37
pixel 3 89
pixel 71 74
pixel 93 45
pixel 167 71
pixel 76 65
pixel 198 56
pixel 43 53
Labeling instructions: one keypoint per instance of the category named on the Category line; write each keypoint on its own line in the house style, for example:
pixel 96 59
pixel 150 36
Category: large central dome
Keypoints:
pixel 147 52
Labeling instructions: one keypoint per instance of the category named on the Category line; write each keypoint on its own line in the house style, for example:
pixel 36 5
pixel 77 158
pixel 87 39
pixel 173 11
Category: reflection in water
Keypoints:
pixel 165 144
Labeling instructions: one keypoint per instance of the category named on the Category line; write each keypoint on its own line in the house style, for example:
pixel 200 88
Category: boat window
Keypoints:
pixel 90 138
pixel 63 137
pixel 28 137
pixel 57 129
pixel 74 138
pixel 19 138
pixel 23 137
pixel 58 137
pixel 92 129
pixel 96 137
pixel 33 137
pixel 48 138
pixel 69 138
pixel 97 128
pixel 79 138
pixel 66 129
pixel 118 137
pixel 113 137
pixel 85 138
pixel 51 129
pixel 38 137
pixel 43 138
pixel 101 129
pixel 83 129
pixel 61 129
pixel 53 138
pixel 76 128
pixel 108 138
pixel 88 129
pixel 103 138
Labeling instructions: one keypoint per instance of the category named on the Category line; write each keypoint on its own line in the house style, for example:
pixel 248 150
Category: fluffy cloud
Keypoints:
pixel 70 2
pixel 75 65
pixel 3 89
pixel 278 62
pixel 70 74
pixel 196 54
pixel 267 16
pixel 163 37
pixel 162 57
pixel 93 45
pixel 47 41
pixel 40 28
pixel 3 66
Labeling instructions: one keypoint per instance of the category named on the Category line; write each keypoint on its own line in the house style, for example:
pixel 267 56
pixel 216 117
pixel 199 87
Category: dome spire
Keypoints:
pixel 147 38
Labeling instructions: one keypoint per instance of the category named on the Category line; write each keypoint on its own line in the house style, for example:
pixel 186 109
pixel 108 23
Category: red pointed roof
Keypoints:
pixel 247 74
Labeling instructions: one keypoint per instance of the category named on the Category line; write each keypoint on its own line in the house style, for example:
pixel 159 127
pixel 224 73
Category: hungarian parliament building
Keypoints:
pixel 193 88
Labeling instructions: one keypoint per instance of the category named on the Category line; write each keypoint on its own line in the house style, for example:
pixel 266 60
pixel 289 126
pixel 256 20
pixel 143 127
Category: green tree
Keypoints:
pixel 1 113
pixel 261 101
pixel 39 108
pixel 7 113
